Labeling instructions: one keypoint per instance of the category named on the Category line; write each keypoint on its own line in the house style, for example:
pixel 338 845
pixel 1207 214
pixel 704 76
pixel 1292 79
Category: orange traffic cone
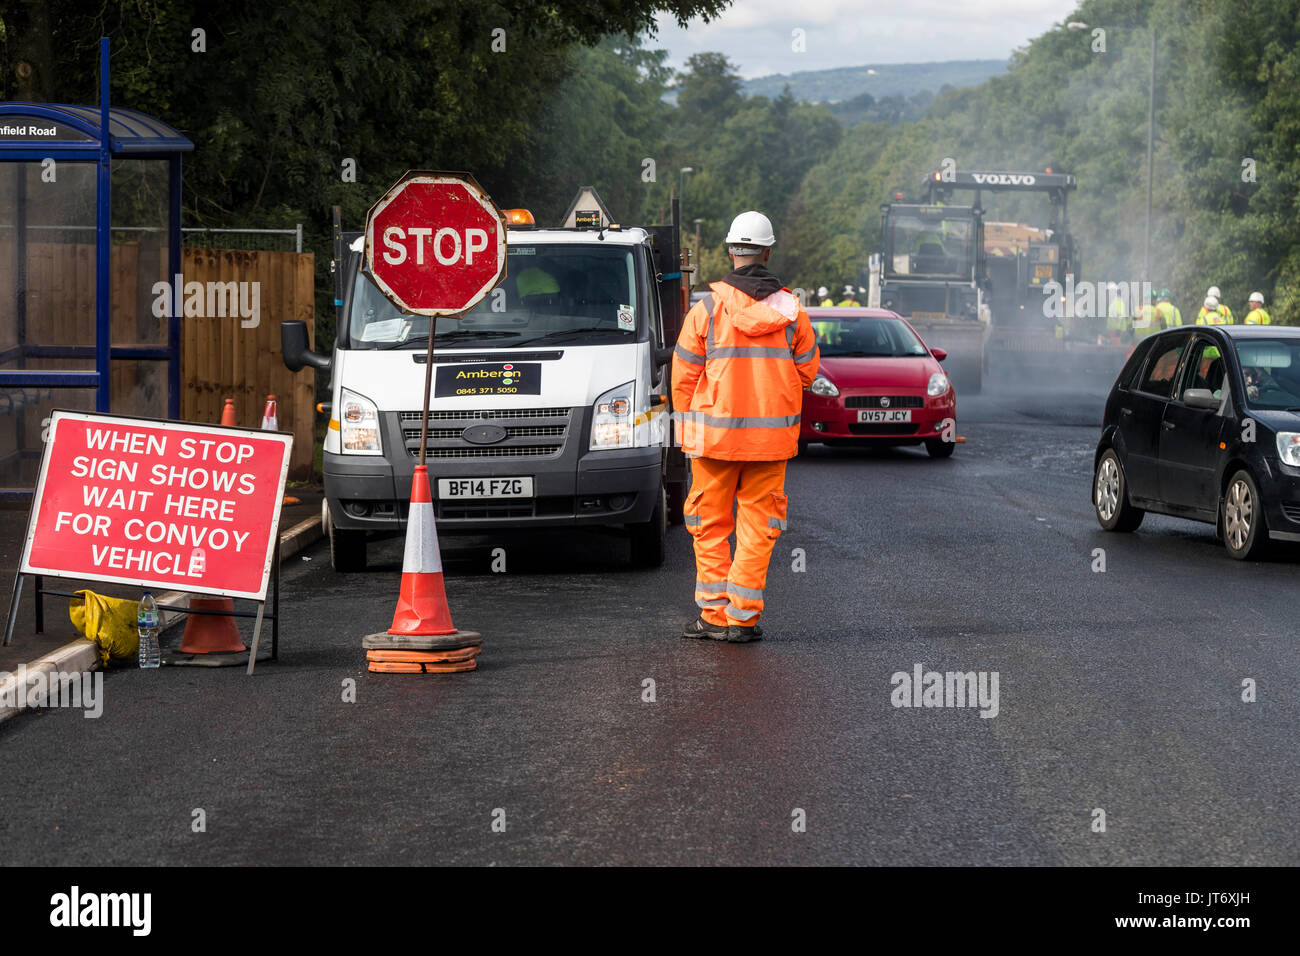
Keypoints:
pixel 211 633
pixel 422 602
pixel 228 413
pixel 422 639
pixel 270 422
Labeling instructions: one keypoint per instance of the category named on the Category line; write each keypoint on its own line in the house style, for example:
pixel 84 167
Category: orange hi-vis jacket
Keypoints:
pixel 739 372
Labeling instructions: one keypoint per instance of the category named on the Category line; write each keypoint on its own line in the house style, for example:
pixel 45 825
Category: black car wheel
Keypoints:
pixel 1110 496
pixel 1245 533
pixel 938 448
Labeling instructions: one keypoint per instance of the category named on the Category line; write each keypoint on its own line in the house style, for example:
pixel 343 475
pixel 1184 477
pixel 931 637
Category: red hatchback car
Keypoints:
pixel 877 384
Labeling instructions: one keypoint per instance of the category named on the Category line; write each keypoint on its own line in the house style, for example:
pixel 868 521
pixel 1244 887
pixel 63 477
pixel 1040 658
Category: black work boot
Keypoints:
pixel 738 634
pixel 702 628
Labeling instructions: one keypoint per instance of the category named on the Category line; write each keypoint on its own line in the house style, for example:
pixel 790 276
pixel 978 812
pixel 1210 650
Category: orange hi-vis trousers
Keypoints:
pixel 730 590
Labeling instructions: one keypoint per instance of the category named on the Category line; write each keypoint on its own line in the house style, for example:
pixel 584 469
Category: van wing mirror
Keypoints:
pixel 296 348
pixel 1201 398
pixel 663 356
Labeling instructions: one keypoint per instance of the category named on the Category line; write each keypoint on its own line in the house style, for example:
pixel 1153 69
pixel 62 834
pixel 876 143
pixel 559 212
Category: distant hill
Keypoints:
pixel 879 80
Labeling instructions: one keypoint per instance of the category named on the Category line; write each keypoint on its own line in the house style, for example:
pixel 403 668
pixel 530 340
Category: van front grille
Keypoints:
pixel 530 433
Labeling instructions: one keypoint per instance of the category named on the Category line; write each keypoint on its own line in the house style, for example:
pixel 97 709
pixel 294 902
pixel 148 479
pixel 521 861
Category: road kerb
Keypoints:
pixel 79 656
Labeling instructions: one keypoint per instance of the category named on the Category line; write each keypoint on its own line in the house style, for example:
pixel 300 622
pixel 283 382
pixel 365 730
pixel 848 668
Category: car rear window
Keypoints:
pixel 1130 369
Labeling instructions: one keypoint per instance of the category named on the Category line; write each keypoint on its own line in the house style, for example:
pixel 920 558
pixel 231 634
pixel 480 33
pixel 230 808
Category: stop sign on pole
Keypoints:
pixel 436 243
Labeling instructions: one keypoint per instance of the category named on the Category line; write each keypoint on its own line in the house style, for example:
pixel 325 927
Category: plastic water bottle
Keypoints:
pixel 146 622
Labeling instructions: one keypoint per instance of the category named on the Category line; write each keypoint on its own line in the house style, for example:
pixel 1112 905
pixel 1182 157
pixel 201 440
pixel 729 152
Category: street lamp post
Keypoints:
pixel 696 274
pixel 682 190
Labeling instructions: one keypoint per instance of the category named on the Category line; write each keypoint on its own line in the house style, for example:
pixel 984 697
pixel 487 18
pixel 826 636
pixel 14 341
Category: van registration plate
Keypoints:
pixel 485 488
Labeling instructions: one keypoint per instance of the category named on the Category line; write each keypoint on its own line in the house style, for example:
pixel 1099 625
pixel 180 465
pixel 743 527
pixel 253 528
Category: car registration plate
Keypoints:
pixel 885 415
pixel 485 487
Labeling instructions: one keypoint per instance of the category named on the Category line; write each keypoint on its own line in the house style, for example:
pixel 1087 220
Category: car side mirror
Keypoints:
pixel 1201 398
pixel 296 348
pixel 939 354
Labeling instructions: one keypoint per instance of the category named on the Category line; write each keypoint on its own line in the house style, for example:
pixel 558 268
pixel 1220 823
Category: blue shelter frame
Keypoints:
pixel 89 134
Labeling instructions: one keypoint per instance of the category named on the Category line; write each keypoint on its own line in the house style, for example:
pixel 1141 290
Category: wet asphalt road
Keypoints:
pixel 1118 691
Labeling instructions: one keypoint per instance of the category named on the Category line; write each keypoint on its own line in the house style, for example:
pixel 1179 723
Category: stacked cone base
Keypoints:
pixel 398 667
pixel 383 641
pixel 422 653
pixel 423 662
pixel 424 657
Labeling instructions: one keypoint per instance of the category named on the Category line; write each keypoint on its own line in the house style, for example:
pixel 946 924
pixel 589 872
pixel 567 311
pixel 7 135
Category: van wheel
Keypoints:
pixel 648 540
pixel 347 548
pixel 1245 533
pixel 1110 496
pixel 677 491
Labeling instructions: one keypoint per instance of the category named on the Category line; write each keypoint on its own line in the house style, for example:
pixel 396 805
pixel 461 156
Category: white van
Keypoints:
pixel 550 399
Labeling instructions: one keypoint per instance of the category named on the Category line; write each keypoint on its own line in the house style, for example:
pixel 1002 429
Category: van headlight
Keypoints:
pixel 937 386
pixel 611 420
pixel 358 424
pixel 1288 447
pixel 822 385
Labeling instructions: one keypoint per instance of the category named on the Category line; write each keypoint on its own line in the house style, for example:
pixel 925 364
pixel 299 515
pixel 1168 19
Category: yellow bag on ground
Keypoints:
pixel 109 622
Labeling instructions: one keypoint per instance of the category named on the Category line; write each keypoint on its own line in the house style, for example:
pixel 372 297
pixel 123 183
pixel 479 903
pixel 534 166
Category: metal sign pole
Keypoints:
pixel 428 385
pixel 428 381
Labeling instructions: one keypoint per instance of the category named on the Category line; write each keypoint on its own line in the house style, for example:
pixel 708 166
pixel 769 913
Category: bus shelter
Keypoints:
pixel 90 238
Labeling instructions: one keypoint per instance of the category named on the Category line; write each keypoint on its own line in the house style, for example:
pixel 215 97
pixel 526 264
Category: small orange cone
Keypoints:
pixel 211 633
pixel 422 601
pixel 270 421
pixel 228 413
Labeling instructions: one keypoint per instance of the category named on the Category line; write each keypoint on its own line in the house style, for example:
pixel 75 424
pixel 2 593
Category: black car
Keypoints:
pixel 1204 423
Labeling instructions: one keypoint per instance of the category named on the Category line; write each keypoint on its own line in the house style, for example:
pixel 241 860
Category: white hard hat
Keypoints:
pixel 1213 292
pixel 1211 303
pixel 848 290
pixel 751 229
pixel 823 291
pixel 1256 297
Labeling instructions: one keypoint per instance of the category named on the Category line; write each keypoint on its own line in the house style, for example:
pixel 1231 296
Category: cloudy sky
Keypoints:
pixel 757 35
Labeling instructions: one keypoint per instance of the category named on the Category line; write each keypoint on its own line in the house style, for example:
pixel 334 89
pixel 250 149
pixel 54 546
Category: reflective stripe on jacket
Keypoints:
pixel 739 372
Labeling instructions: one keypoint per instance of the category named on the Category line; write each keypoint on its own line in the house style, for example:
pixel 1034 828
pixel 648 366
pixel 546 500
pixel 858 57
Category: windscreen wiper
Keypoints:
pixel 458 334
pixel 554 335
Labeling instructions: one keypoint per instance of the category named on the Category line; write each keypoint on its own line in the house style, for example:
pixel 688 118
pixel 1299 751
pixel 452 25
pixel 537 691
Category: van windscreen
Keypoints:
pixel 566 293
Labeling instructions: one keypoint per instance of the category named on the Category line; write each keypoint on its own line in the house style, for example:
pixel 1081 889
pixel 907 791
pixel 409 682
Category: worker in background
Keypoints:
pixel 824 295
pixel 1147 321
pixel 1224 311
pixel 1118 324
pixel 1169 313
pixel 1257 315
pixel 535 287
pixel 1212 313
pixel 743 359
pixel 848 299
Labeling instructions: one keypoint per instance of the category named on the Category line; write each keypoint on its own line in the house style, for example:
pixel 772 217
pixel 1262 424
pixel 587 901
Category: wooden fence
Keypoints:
pixel 220 358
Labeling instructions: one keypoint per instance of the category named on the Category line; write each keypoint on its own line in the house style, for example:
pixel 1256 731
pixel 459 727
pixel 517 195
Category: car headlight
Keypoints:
pixel 358 424
pixel 937 386
pixel 611 421
pixel 823 386
pixel 1288 447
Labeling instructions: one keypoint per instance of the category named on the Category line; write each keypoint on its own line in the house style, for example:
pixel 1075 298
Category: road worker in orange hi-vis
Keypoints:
pixel 743 359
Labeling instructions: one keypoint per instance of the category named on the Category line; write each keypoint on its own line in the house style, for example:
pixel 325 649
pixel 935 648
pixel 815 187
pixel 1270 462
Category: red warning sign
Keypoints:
pixel 158 504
